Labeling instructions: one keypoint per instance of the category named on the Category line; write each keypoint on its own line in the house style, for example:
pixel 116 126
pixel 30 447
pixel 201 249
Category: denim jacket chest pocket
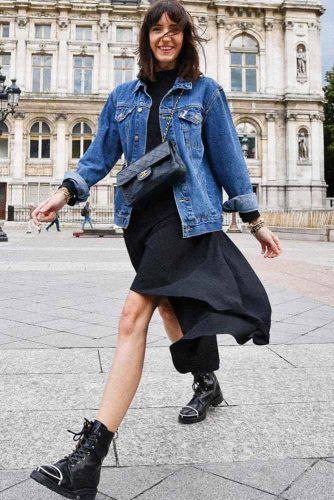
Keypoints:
pixel 124 116
pixel 191 124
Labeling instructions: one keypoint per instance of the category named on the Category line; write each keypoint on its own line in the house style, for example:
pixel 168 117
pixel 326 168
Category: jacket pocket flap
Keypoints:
pixel 122 112
pixel 190 115
pixel 160 153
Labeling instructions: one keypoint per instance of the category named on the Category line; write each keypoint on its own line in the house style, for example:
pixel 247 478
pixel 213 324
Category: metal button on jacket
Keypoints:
pixel 139 109
pixel 136 137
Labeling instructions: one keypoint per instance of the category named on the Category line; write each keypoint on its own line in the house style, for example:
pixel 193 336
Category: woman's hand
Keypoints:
pixel 270 243
pixel 47 209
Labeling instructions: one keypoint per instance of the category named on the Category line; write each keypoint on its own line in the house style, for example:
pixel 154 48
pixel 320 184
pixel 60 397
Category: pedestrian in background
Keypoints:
pixel 186 266
pixel 85 212
pixel 32 224
pixel 55 221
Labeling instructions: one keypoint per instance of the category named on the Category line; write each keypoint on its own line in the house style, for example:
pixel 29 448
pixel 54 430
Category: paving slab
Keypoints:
pixel 322 335
pixel 272 476
pixel 278 386
pixel 43 439
pixel 317 483
pixel 307 355
pixel 49 361
pixel 184 482
pixel 154 437
pixel 125 483
pixel 66 339
pixel 9 478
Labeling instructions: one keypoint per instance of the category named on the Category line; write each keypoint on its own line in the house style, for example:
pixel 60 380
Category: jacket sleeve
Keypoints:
pixel 101 156
pixel 225 155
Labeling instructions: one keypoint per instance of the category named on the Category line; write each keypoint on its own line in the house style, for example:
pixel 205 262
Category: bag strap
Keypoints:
pixel 171 116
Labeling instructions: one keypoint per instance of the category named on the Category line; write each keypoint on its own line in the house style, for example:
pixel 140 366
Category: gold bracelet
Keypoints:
pixel 256 227
pixel 66 192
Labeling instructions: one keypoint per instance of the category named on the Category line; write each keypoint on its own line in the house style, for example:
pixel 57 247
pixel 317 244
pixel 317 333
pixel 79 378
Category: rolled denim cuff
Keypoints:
pixel 242 203
pixel 81 186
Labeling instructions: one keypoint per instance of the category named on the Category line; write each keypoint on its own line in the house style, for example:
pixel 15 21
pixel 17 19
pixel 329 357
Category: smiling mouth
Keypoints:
pixel 166 49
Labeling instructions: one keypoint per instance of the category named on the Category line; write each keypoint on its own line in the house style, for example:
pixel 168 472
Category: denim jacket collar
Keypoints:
pixel 179 83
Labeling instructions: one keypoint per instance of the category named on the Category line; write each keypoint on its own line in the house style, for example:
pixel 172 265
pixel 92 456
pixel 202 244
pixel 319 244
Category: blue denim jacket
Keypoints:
pixel 204 133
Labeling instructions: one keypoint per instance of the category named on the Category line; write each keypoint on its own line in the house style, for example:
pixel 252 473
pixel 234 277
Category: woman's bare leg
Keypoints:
pixel 127 366
pixel 171 324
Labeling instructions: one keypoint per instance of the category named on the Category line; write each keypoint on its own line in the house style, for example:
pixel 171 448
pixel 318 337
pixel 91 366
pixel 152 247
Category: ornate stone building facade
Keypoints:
pixel 67 55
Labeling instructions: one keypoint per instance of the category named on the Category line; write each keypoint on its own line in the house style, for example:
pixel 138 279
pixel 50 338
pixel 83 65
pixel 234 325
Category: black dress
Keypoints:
pixel 209 283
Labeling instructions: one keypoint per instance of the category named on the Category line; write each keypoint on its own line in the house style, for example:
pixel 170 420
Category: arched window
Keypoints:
pixel 40 140
pixel 244 63
pixel 303 145
pixel 3 140
pixel 248 139
pixel 81 139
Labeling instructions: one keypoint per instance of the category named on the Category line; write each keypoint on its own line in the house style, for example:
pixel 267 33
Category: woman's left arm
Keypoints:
pixel 228 164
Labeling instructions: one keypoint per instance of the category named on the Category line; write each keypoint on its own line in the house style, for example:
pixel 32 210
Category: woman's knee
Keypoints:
pixel 136 315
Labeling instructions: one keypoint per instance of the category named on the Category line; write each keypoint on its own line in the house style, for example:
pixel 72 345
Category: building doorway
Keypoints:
pixel 3 197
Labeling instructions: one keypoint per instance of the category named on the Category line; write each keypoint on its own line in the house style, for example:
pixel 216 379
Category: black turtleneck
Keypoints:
pixel 164 82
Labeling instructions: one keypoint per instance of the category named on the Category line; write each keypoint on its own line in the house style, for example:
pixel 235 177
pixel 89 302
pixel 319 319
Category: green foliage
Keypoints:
pixel 329 131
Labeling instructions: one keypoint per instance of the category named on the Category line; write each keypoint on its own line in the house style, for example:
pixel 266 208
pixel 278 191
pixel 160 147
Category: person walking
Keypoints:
pixel 55 221
pixel 85 212
pixel 186 266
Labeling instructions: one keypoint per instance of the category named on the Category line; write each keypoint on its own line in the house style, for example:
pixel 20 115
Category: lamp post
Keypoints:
pixel 233 228
pixel 9 101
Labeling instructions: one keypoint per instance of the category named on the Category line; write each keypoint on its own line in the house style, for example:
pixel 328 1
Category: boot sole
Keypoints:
pixel 193 420
pixel 75 495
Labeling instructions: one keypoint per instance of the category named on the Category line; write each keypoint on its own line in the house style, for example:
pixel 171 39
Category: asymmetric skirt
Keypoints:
pixel 209 283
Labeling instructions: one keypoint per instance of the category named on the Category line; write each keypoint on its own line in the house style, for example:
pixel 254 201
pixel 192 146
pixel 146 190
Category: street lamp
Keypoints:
pixel 9 101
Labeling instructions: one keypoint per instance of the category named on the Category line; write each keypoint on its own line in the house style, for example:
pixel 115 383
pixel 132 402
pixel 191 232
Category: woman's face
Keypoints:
pixel 166 42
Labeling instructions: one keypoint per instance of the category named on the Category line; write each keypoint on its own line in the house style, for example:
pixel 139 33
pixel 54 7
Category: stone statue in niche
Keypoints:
pixel 303 148
pixel 301 63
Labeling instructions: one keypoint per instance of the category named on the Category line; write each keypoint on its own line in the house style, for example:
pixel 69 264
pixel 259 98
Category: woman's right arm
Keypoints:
pixel 95 164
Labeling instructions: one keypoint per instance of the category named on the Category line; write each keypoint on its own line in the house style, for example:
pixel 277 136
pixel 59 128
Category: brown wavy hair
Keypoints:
pixel 188 59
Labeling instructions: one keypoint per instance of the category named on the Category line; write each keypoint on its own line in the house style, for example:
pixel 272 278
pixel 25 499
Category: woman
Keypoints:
pixel 185 264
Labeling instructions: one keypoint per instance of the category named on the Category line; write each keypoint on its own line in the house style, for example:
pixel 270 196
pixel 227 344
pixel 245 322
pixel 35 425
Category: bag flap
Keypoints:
pixel 154 156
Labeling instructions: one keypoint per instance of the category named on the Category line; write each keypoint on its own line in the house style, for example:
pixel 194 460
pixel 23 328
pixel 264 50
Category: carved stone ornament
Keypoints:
pixel 269 25
pixel 271 117
pixel 203 20
pixel 83 50
pixel 20 115
pixel 104 25
pixel 288 25
pixel 221 21
pixel 245 25
pixel 63 23
pixel 61 116
pixel 22 21
pixel 291 116
pixel 42 48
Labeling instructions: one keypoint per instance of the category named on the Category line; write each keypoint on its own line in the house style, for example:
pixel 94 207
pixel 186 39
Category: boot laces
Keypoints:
pixel 86 442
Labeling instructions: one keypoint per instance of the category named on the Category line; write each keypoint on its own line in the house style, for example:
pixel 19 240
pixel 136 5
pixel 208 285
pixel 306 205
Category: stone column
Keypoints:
pixel 62 55
pixel 61 149
pixel 271 150
pixel 17 159
pixel 290 57
pixel 221 63
pixel 104 53
pixel 315 141
pixel 321 148
pixel 269 24
pixel 314 67
pixel 21 35
pixel 291 147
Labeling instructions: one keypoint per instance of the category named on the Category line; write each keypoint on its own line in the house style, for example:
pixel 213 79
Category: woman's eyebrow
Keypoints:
pixel 171 24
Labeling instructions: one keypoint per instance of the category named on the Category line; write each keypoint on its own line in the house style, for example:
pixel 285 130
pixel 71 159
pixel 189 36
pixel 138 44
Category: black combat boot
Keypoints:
pixel 77 476
pixel 206 393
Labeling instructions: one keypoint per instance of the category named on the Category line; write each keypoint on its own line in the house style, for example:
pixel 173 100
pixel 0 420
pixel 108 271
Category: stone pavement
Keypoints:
pixel 271 438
